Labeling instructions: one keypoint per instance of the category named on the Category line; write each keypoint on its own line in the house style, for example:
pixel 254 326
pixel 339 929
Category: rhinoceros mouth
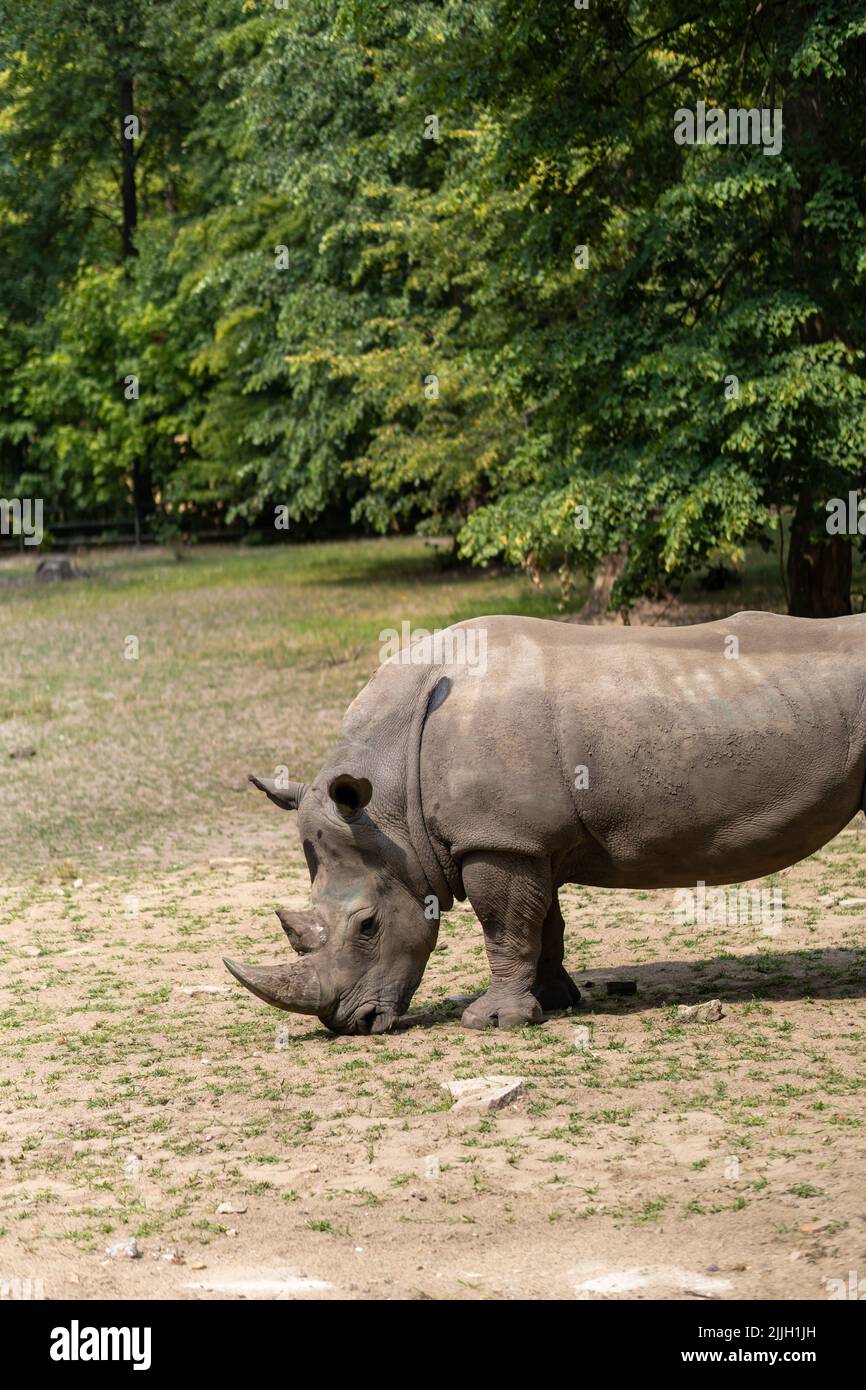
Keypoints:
pixel 364 1019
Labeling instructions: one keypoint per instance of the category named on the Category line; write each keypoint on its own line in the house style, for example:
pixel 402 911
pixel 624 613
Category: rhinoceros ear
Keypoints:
pixel 349 794
pixel 288 796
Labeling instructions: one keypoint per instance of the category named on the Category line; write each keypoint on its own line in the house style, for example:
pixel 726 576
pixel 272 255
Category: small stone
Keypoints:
pixel 57 567
pixel 485 1092
pixel 25 751
pixel 853 902
pixel 229 1209
pixel 582 1037
pixel 128 1248
pixel 78 883
pixel 811 1228
pixel 198 1264
pixel 710 1012
pixel 204 989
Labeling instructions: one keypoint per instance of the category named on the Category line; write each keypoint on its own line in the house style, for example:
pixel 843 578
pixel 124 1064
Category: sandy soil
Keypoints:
pixel 649 1157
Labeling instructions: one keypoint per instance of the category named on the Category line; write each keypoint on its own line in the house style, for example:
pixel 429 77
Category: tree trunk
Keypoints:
pixel 819 566
pixel 125 98
pixel 609 571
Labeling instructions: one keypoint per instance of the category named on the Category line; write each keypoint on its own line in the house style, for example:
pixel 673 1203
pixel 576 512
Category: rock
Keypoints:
pixel 710 1012
pixel 25 751
pixel 853 902
pixel 811 1228
pixel 485 1092
pixel 582 1037
pixel 216 1133
pixel 229 1209
pixel 204 989
pixel 278 1284
pixel 128 1248
pixel 645 1280
pixel 56 567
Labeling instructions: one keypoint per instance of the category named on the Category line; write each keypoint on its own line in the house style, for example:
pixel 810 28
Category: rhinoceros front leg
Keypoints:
pixel 511 895
pixel 553 987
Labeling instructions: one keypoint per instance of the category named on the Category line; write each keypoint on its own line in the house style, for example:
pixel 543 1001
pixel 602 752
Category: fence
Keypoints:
pixel 64 534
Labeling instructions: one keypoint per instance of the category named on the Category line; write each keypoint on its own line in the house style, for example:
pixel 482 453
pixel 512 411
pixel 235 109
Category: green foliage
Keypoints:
pixel 329 310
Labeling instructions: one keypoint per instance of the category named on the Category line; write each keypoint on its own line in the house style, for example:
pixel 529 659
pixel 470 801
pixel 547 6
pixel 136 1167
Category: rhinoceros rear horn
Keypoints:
pixel 302 929
pixel 349 794
pixel 294 987
pixel 288 795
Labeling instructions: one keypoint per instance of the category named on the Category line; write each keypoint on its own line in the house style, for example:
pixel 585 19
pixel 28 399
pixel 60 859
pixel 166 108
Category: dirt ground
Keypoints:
pixel 249 1154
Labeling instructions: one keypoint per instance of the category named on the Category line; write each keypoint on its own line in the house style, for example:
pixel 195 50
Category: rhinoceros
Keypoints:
pixel 619 757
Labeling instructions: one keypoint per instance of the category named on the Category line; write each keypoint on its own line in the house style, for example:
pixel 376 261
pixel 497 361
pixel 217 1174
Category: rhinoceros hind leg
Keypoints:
pixel 553 987
pixel 556 991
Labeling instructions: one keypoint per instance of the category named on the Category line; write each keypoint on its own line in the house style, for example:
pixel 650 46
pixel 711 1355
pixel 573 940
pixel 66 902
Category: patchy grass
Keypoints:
pixel 130 1109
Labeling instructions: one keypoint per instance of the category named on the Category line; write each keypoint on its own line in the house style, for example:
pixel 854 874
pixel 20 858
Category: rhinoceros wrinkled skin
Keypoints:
pixel 621 757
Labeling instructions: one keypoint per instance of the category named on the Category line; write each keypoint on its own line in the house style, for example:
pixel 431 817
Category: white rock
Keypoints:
pixel 229 1209
pixel 853 902
pixel 204 989
pixel 710 1012
pixel 278 1285
pixel 582 1037
pixel 129 1248
pixel 485 1092
pixel 605 1281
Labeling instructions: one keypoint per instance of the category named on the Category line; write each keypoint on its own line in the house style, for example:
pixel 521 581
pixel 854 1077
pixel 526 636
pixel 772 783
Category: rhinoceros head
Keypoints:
pixel 363 944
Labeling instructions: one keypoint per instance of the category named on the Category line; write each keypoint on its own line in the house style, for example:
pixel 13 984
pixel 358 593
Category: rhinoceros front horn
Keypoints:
pixel 292 987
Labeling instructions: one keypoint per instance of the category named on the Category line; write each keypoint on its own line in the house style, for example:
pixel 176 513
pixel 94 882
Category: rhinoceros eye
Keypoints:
pixel 368 927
